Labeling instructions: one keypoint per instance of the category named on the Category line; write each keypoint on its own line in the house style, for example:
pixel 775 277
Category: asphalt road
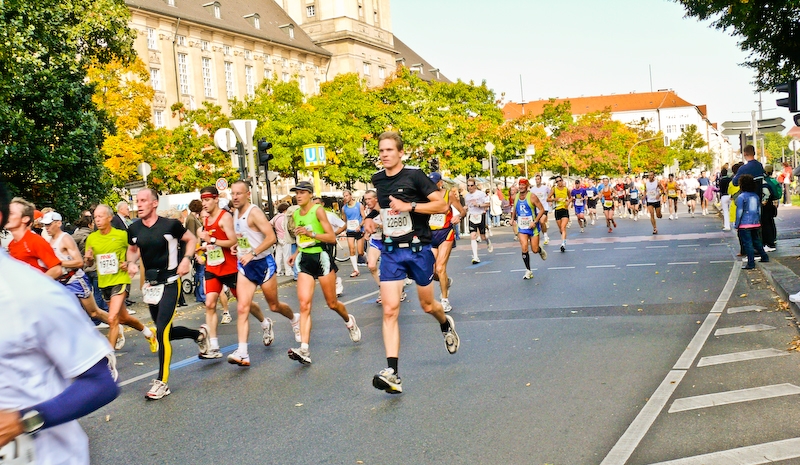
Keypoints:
pixel 578 366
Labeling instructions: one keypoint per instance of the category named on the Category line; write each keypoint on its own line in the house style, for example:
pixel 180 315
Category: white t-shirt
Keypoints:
pixel 46 340
pixel 651 189
pixel 691 185
pixel 542 192
pixel 473 199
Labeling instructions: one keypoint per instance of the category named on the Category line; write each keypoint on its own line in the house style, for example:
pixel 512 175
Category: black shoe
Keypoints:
pixel 129 302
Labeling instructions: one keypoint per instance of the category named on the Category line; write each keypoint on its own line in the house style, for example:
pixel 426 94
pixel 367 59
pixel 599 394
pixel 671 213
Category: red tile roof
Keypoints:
pixel 616 102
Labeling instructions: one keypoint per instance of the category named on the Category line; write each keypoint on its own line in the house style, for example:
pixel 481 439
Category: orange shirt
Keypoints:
pixel 35 251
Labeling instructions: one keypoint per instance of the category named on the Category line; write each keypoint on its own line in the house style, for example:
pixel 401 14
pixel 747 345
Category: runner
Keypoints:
pixel 314 263
pixel 407 198
pixel 526 211
pixel 156 240
pixel 633 198
pixel 705 183
pixel 477 203
pixel 353 214
pixel 27 246
pixel 442 238
pixel 374 245
pixel 672 196
pixel 339 226
pixel 653 191
pixel 255 243
pixel 591 200
pixel 578 199
pixel 607 197
pixel 543 192
pixel 691 187
pixel 107 247
pixel 561 202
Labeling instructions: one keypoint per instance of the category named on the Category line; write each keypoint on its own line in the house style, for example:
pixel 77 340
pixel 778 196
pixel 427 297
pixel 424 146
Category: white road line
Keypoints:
pixel 767 452
pixel 623 449
pixel 588 250
pixel 522 270
pixel 561 268
pixel 641 264
pixel 601 266
pixel 506 253
pixel 719 261
pixel 718 244
pixel 743 329
pixel 690 354
pixel 733 397
pixel 657 247
pixel 682 263
pixel 689 245
pixel 746 308
pixel 741 356
pixel 488 272
pixel 624 248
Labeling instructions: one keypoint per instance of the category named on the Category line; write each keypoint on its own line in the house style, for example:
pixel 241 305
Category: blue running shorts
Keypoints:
pixel 402 262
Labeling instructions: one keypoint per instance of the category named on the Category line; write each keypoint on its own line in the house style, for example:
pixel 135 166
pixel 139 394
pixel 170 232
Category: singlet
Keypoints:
pixel 542 192
pixel 34 250
pixel 608 197
pixel 56 245
pixel 308 244
pixel 525 213
pixel 672 189
pixel 651 190
pixel 109 251
pixel 353 217
pixel 591 193
pixel 410 184
pixel 633 192
pixel 159 244
pixel 562 196
pixel 442 220
pixel 378 234
pixel 246 237
pixel 219 261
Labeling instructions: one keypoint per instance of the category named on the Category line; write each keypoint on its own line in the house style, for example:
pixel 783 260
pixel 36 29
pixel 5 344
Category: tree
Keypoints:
pixel 52 131
pixel 776 148
pixel 685 149
pixel 768 30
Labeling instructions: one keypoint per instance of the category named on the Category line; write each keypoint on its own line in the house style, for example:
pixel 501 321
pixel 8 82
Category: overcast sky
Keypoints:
pixel 573 48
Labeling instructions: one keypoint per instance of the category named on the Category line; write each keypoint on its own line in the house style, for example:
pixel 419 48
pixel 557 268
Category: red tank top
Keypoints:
pixel 215 230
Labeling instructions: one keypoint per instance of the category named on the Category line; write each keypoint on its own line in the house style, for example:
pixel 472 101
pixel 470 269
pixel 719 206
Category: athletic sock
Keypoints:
pixel 445 326
pixel 354 262
pixel 526 258
pixel 264 323
pixel 392 362
pixel 304 346
pixel 349 323
pixel 474 244
pixel 243 348
pixel 214 343
pixel 147 333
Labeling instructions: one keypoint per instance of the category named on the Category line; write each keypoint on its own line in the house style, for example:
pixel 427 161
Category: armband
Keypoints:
pixel 373 214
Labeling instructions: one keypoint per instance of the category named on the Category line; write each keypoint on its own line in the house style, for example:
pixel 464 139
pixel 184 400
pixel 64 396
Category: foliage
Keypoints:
pixel 686 147
pixel 777 146
pixel 768 30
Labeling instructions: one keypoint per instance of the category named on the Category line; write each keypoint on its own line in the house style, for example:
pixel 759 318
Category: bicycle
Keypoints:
pixel 342 249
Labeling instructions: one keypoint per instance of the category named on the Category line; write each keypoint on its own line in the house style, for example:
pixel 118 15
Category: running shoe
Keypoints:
pixel 408 282
pixel 202 339
pixel 131 311
pixel 546 239
pixel 528 274
pixel 563 247
pixel 451 340
pixel 769 249
pixel 449 283
pixel 301 355
pixel 296 327
pixel 795 297
pixel 112 366
pixel 269 333
pixel 403 296
pixel 610 230
pixel 379 301
pixel 158 389
pixel 446 305
pixel 475 260
pixel 153 341
pixel 238 358
pixel 633 220
pixel 226 318
pixel 354 330
pixel 542 253
pixel 592 222
pixel 101 325
pixel 490 246
pixel 211 354
pixel 614 222
pixel 387 380
pixel 120 339
pixel 339 286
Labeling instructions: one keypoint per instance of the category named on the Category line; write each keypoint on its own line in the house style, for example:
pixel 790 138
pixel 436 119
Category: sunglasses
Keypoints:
pixel 470 185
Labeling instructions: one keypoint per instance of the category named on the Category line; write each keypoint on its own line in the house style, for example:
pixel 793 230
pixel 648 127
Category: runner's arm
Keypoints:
pixel 261 224
pixel 72 251
pixel 328 236
pixel 539 208
pixel 226 223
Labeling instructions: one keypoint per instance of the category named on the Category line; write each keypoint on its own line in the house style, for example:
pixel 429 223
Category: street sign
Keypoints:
pixel 222 184
pixel 314 155
pixel 225 139
pixel 143 169
pixel 134 185
pixel 733 128
pixel 794 145
pixel 778 128
pixel 736 125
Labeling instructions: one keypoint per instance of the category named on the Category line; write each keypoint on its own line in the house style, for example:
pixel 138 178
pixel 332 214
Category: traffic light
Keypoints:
pixel 263 151
pixel 789 102
pixel 434 164
pixel 494 164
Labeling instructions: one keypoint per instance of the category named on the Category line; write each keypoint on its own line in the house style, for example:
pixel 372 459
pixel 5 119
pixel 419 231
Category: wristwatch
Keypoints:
pixel 413 206
pixel 313 234
pixel 32 421
pixel 213 240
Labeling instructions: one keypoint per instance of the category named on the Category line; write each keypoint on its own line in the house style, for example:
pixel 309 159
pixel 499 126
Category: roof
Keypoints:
pixel 794 132
pixel 233 13
pixel 410 59
pixel 616 102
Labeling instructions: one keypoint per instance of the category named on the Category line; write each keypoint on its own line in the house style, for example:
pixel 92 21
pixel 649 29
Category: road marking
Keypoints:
pixel 733 397
pixel 522 270
pixel 593 250
pixel 624 248
pixel 740 356
pixel 718 244
pixel 506 253
pixel 601 266
pixel 487 272
pixel 682 263
pixel 641 264
pixel 657 247
pixel 743 329
pixel 768 452
pixel 719 261
pixel 561 268
pixel 689 245
pixel 630 440
pixel 746 308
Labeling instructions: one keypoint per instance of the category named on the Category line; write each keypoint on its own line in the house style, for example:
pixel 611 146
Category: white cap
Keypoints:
pixel 49 217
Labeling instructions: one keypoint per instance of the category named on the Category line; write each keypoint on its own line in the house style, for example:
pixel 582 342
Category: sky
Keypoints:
pixel 573 48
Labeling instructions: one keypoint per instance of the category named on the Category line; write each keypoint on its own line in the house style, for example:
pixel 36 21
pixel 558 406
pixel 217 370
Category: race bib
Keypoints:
pixel 304 241
pixel 634 195
pixel 703 188
pixel 20 451
pixel 353 225
pixel 152 294
pixel 215 256
pixel 107 264
pixel 476 219
pixel 437 220
pixel 608 203
pixel 524 222
pixel 578 202
pixel 671 192
pixel 590 194
pixel 243 246
pixel 397 224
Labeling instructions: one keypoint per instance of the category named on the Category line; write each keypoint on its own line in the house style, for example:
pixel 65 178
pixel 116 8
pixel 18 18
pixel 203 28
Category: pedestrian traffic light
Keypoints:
pixel 789 102
pixel 263 151
pixel 434 164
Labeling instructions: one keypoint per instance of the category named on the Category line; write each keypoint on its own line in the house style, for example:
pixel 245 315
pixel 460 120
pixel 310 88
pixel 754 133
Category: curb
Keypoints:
pixel 784 281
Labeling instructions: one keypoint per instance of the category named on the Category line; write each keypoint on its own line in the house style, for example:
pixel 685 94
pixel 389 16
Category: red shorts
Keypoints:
pixel 214 283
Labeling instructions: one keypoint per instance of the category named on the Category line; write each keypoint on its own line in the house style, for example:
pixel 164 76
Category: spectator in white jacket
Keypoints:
pixel 283 249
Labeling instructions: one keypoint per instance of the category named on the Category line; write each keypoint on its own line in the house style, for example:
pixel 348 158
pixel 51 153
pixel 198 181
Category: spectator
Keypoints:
pixel 283 249
pixel 496 207
pixel 192 224
pixel 748 220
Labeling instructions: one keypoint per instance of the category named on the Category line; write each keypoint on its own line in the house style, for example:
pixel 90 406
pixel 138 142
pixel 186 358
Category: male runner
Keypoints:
pixel 477 203
pixel 407 198
pixel 578 199
pixel 543 192
pixel 526 211
pixel 442 238
pixel 561 200
pixel 691 187
pixel 156 240
pixel 591 200
pixel 672 196
pixel 27 246
pixel 255 240
pixel 353 213
pixel 652 192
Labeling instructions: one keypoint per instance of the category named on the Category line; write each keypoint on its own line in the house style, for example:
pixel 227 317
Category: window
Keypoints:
pixel 266 59
pixel 226 50
pixel 291 32
pixel 155 78
pixel 204 45
pixel 316 86
pixel 267 73
pixel 285 77
pixel 682 127
pixel 671 128
pixel 182 41
pixel 256 22
pixel 229 79
pixel 248 55
pixel 284 62
pixel 207 83
pixel 311 11
pixel 151 38
pixel 382 72
pixel 158 118
pixel 303 84
pixel 170 2
pixel 183 72
pixel 249 83
pixel 217 11
pixel 366 69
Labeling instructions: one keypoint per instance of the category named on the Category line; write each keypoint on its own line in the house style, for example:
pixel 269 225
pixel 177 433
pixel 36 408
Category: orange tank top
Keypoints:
pixel 228 265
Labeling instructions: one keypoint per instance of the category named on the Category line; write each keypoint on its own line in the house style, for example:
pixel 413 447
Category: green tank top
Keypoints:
pixel 308 244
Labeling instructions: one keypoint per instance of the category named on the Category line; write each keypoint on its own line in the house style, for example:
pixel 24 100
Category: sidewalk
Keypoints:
pixel 783 271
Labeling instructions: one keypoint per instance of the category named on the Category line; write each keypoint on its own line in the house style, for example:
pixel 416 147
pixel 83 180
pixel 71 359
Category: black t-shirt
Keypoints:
pixel 409 185
pixel 160 244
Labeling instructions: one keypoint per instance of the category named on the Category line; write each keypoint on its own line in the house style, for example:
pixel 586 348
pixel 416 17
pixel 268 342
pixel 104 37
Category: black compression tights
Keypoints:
pixel 162 315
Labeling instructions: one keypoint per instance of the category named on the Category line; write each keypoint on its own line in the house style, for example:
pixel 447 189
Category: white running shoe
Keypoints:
pixel 355 331
pixel 301 355
pixel 131 311
pixel 387 380
pixel 226 318
pixel 403 296
pixel 211 354
pixel 120 339
pixel 546 239
pixel 542 253
pixel 769 249
pixel 158 390
pixel 269 333
pixel 296 327
pixel 238 358
pixel 446 305
pixel 451 340
pixel 528 274
pixel 795 297
pixel 339 286
pixel 670 216
pixel 202 339
pixel 490 247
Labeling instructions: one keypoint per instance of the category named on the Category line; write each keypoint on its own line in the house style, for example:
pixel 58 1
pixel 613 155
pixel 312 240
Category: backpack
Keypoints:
pixel 775 189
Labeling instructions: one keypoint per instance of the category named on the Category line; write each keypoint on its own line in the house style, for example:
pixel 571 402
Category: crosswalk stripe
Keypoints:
pixel 740 357
pixel 743 329
pixel 733 397
pixel 746 308
pixel 767 452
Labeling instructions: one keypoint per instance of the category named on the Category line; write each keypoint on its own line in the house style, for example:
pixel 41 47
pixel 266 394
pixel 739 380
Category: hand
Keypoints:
pixel 301 231
pixel 246 258
pixel 133 268
pixel 291 260
pixel 369 226
pixel 203 236
pixel 123 266
pixel 10 426
pixel 89 255
pixel 184 266
pixel 399 205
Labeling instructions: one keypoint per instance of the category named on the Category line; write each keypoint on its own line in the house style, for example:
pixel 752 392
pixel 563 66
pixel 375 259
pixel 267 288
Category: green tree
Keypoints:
pixel 777 146
pixel 686 147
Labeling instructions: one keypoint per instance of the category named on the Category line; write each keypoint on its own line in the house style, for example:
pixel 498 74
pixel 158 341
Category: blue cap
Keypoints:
pixel 435 177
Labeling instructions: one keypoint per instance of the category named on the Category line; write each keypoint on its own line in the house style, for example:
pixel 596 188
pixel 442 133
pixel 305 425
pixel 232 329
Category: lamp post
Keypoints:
pixel 490 150
pixel 634 145
pixel 530 151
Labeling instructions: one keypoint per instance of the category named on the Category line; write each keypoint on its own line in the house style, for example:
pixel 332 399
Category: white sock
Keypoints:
pixel 243 348
pixel 303 346
pixel 474 244
pixel 147 333
pixel 296 318
pixel 349 323
pixel 215 343
pixel 265 324
pixel 354 262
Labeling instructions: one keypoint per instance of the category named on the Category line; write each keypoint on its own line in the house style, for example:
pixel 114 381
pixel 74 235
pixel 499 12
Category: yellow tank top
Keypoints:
pixel 561 195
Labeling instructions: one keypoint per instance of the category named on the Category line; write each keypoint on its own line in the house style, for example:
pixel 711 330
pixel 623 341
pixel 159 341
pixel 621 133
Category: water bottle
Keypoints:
pixel 387 244
pixel 415 245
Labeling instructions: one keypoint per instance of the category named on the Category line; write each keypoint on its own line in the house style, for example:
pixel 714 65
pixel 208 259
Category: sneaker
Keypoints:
pixel 131 311
pixel 301 355
pixel 542 253
pixel 610 230
pixel 101 325
pixel 446 305
pixel 633 220
pixel 795 297
pixel 451 340
pixel 408 282
pixel 449 284
pixel 153 341
pixel 614 222
pixel 339 286
pixel 528 274
pixel 592 222
pixel 403 296
pixel 475 260
pixel 211 354
pixel 670 217
pixel 726 229
pixel 269 333
pixel 388 381
pixel 379 301
pixel 112 366
pixel 563 247
pixel 757 258
pixel 546 239
pixel 355 331
pixel 120 339
pixel 202 339
pixel 158 389
pixel 238 358
pixel 296 327
pixel 769 249
pixel 226 318
pixel 490 247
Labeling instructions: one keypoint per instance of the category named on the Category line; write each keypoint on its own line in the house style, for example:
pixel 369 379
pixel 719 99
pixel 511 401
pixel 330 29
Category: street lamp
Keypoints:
pixel 530 151
pixel 490 150
pixel 634 145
